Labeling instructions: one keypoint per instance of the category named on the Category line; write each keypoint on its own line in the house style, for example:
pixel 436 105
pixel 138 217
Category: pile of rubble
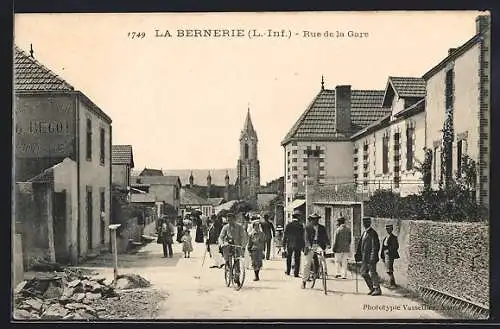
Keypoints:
pixel 68 294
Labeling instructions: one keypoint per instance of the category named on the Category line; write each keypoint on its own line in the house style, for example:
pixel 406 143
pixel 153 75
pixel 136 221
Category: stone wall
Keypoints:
pixel 452 258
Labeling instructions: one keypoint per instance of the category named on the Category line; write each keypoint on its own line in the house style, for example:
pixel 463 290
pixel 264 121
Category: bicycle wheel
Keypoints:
pixel 228 273
pixel 241 266
pixel 312 276
pixel 322 273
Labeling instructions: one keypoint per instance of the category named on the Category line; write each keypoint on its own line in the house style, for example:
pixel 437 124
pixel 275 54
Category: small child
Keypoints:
pixel 187 246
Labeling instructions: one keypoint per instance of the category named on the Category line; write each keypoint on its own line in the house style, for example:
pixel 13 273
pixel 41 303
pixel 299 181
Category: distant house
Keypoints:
pixel 122 159
pixel 151 172
pixel 210 183
pixel 166 190
pixel 216 201
pixel 191 201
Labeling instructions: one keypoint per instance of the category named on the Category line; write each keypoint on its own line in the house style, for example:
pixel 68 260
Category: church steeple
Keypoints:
pixel 191 180
pixel 248 130
pixel 248 162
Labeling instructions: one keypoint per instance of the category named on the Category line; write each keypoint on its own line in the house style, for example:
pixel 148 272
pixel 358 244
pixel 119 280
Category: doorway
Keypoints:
pixel 59 223
pixel 89 218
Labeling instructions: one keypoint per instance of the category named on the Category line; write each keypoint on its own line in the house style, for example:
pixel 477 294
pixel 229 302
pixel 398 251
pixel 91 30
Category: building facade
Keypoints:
pixel 52 122
pixel 459 87
pixel 165 189
pixel 318 148
pixel 388 152
pixel 248 162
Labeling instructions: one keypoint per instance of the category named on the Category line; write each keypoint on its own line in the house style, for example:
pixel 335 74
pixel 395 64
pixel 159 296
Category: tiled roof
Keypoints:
pixel 30 75
pixel 142 197
pixel 408 86
pixel 189 198
pixel 215 201
pixel 151 172
pixel 413 109
pixel 122 154
pixel 46 176
pixel 200 175
pixel 156 180
pixel 318 121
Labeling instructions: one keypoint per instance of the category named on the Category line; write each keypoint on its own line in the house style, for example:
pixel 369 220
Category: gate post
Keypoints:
pixel 113 228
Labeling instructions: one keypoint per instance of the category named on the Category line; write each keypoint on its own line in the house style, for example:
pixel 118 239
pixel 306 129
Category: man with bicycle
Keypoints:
pixel 231 237
pixel 315 237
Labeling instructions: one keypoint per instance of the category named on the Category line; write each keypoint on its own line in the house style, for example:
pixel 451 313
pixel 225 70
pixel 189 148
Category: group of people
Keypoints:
pixel 232 238
pixel 226 237
pixel 299 238
pixel 166 233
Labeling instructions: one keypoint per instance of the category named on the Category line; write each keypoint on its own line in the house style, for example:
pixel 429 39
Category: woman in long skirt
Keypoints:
pixel 199 230
pixel 256 245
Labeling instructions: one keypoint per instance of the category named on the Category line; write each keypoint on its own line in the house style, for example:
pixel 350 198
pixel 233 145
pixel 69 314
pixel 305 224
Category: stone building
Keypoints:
pixel 53 121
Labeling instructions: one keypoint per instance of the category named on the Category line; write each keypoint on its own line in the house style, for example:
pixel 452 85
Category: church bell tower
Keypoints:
pixel 248 163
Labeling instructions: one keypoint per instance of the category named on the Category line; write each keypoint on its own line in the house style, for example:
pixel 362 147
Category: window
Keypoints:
pixel 410 131
pixel 103 147
pixel 294 168
pixel 385 154
pixel 294 184
pixel 245 151
pixel 103 208
pixel 397 156
pixel 294 160
pixel 312 153
pixel 294 151
pixel 459 158
pixel 89 140
pixel 449 90
pixel 435 164
pixel 294 176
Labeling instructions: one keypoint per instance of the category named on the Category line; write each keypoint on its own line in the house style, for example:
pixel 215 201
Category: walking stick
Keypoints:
pixel 356 267
pixel 202 263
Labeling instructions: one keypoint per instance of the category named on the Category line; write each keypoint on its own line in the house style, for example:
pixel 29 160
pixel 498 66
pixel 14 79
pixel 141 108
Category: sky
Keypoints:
pixel 181 102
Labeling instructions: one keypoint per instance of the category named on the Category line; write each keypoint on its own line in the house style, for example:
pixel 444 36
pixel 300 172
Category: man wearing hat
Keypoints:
pixel 293 243
pixel 231 235
pixel 315 236
pixel 389 253
pixel 341 247
pixel 270 232
pixel 367 253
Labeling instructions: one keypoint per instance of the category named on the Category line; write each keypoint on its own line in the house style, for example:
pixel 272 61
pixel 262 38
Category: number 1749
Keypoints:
pixel 136 35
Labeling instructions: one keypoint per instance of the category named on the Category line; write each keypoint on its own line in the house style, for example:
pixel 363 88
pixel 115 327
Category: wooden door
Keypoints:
pixel 59 225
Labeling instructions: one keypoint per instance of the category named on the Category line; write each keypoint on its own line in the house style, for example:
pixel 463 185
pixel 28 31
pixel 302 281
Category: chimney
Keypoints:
pixel 451 51
pixel 482 23
pixel 343 109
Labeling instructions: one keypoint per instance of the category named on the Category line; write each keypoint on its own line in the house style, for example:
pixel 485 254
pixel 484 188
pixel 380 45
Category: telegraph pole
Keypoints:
pixel 307 208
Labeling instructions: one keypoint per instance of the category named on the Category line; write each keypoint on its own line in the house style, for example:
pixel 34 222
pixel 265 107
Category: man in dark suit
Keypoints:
pixel 367 253
pixel 293 243
pixel 389 253
pixel 268 229
pixel 315 236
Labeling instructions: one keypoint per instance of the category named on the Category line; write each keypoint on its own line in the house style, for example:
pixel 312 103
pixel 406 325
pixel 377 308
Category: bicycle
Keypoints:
pixel 320 272
pixel 229 270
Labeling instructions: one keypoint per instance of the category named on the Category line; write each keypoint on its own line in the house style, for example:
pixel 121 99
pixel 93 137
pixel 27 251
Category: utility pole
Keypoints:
pixel 307 208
